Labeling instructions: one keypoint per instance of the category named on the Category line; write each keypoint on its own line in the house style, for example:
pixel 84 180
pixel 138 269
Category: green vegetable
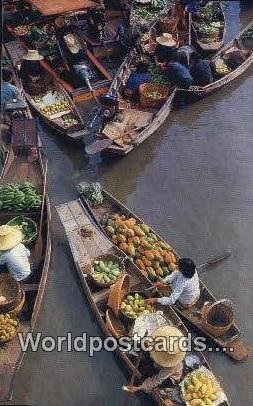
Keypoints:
pixel 92 193
pixel 28 227
pixel 19 197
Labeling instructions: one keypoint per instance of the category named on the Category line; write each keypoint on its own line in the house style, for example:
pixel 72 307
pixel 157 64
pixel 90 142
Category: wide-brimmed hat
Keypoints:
pixel 166 39
pixel 72 43
pixel 171 352
pixel 10 236
pixel 33 55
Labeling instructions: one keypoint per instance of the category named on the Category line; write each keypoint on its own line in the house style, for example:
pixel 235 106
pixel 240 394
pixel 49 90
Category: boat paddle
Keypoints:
pixel 38 248
pixel 213 261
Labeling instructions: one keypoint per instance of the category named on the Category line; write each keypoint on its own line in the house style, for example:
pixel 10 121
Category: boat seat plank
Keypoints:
pixel 30 287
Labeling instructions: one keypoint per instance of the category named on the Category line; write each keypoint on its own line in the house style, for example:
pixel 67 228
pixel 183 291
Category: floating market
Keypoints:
pixel 96 303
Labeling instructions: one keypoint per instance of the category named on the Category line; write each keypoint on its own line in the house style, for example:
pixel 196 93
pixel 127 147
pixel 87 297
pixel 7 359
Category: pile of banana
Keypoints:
pixel 19 197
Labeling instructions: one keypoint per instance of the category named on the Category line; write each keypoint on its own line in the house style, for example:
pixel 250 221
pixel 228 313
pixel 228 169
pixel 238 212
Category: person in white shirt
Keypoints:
pixel 13 253
pixel 184 284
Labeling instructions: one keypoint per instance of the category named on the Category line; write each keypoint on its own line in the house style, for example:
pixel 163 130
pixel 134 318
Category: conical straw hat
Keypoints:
pixel 170 353
pixel 166 39
pixel 10 236
pixel 33 55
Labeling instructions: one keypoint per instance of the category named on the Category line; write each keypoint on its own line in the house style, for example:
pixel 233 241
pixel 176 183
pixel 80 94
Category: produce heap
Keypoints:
pixel 91 192
pixel 8 327
pixel 134 306
pixel 209 23
pixel 28 227
pixel 19 197
pixel 146 12
pixel 153 256
pixel 157 75
pixel 200 389
pixel 105 272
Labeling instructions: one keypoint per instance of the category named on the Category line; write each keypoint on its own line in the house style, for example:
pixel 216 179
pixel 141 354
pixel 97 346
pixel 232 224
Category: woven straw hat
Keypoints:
pixel 72 43
pixel 33 55
pixel 10 236
pixel 172 353
pixel 166 39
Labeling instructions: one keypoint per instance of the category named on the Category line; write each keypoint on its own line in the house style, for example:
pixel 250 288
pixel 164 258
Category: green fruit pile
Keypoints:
pixel 19 197
pixel 105 272
pixel 134 306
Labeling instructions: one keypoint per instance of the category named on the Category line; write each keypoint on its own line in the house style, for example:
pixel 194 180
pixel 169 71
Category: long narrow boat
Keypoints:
pixel 215 20
pixel 87 244
pixel 137 121
pixel 18 169
pixel 230 342
pixel 243 43
pixel 56 64
pixel 67 121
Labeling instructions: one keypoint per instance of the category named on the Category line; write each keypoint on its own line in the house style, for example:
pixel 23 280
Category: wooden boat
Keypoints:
pixel 220 82
pixel 211 45
pixel 87 243
pixel 18 169
pixel 57 121
pixel 137 121
pixel 56 64
pixel 230 342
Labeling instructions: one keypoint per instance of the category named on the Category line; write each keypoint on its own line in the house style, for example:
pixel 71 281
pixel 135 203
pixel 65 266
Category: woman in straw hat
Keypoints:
pixel 13 253
pixel 167 355
pixel 76 57
pixel 166 45
pixel 30 65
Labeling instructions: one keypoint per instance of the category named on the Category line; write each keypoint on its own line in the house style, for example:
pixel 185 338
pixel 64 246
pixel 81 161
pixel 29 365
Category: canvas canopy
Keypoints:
pixel 49 8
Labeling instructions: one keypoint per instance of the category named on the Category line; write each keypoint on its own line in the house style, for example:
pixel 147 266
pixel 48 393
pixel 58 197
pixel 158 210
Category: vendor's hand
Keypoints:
pixel 160 284
pixel 151 300
pixel 134 389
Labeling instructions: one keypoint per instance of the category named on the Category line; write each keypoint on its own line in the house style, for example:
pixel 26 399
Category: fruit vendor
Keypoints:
pixel 136 79
pixel 201 71
pixel 13 253
pixel 9 92
pixel 166 47
pixel 167 360
pixel 75 56
pixel 184 285
pixel 177 73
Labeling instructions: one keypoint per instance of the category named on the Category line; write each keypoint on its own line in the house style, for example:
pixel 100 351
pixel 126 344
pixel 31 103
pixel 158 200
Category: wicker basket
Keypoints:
pixel 114 325
pixel 106 257
pixel 168 24
pixel 9 288
pixel 117 292
pixel 16 310
pixel 123 315
pixel 146 101
pixel 219 311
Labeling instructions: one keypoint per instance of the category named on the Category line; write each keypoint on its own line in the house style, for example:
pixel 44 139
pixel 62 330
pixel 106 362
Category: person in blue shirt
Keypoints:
pixel 8 91
pixel 136 79
pixel 201 71
pixel 177 73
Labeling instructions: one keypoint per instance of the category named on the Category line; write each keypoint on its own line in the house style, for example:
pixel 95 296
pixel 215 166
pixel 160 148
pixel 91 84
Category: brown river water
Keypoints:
pixel 192 181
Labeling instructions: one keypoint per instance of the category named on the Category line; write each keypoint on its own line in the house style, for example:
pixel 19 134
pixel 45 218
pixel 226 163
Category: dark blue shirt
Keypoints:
pixel 179 75
pixel 202 73
pixel 137 79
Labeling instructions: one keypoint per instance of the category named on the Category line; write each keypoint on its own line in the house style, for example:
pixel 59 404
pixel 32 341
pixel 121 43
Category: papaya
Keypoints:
pixel 159 272
pixel 140 264
pixel 131 250
pixel 120 223
pixel 121 238
pixel 167 258
pixel 109 230
pixel 115 216
pixel 153 236
pixel 146 261
pixel 145 244
pixel 123 246
pixel 173 258
pixel 136 240
pixel 123 217
pixel 172 267
pixel 129 232
pixel 145 228
pixel 141 250
pixel 149 255
pixel 151 272
pixel 114 239
pixel 130 223
pixel 138 231
pixel 164 245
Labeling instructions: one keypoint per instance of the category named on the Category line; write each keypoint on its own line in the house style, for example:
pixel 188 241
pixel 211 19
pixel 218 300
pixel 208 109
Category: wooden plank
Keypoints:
pixel 99 66
pixel 88 95
pixel 48 8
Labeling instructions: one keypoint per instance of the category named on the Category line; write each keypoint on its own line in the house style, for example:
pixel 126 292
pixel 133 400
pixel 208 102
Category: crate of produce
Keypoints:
pixel 153 94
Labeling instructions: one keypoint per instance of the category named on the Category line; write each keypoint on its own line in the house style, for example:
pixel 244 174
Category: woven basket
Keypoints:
pixel 168 24
pixel 9 288
pixel 219 311
pixel 117 292
pixel 148 102
pixel 123 315
pixel 114 325
pixel 15 311
pixel 106 257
